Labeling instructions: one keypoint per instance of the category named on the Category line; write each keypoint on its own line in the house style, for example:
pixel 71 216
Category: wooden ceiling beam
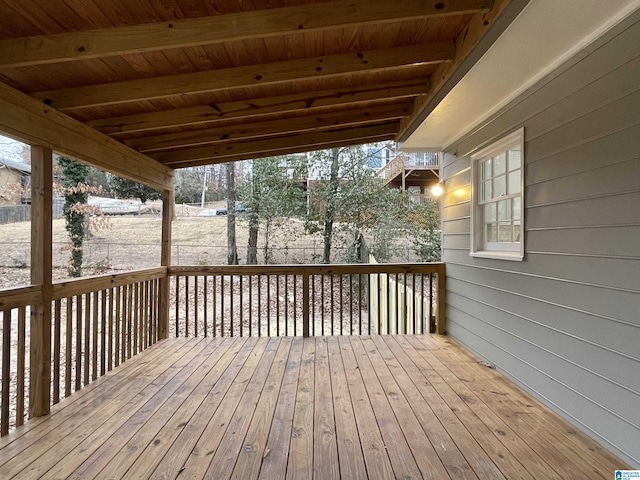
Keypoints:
pixel 447 75
pixel 123 40
pixel 246 76
pixel 285 151
pixel 257 107
pixel 259 129
pixel 266 147
pixel 29 121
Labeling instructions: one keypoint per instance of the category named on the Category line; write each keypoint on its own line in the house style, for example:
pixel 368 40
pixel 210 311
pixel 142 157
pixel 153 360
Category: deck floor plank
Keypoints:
pixel 468 446
pixel 121 450
pixel 241 442
pixel 325 447
pixel 557 447
pixel 63 435
pixel 300 461
pixel 90 397
pixel 351 460
pixel 446 449
pixel 375 453
pixel 199 457
pixel 186 427
pixel 276 452
pixel 397 445
pixel 373 407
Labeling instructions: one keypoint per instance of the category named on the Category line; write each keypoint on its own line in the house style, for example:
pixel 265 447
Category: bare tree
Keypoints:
pixel 232 249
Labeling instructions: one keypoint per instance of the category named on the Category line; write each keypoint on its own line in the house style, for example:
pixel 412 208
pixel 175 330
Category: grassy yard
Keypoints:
pixel 132 242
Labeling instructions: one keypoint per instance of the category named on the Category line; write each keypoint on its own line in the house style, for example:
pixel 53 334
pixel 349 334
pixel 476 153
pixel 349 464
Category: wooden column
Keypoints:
pixel 165 260
pixel 41 264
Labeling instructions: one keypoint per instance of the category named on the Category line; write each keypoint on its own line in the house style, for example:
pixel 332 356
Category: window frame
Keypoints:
pixel 480 247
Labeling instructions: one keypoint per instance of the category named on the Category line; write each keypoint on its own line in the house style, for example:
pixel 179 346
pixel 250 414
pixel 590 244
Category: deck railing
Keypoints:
pixel 99 322
pixel 307 300
pixel 408 161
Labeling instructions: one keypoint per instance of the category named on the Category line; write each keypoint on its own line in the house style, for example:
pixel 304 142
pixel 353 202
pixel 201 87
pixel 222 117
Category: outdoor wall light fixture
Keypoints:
pixel 437 189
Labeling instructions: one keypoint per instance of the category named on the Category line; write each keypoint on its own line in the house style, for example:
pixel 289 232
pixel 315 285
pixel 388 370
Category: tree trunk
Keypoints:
pixel 331 205
pixel 232 249
pixel 252 245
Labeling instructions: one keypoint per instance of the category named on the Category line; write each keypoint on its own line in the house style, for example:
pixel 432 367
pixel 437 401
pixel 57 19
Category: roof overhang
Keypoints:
pixel 543 36
pixel 142 91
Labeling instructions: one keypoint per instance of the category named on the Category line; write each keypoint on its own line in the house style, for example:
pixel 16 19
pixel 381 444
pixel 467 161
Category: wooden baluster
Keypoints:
pixel 206 304
pixel 118 323
pixel 250 305
pixel 94 370
pixel 110 331
pixel 177 305
pixel 196 307
pixel 56 351
pixel 6 371
pixel 259 305
pixel 78 384
pixel 277 305
pixel 68 347
pixel 231 318
pixel 241 307
pixel 103 332
pixel 306 304
pixel 215 282
pixel 186 307
pixel 222 315
pixel 20 368
pixel 87 338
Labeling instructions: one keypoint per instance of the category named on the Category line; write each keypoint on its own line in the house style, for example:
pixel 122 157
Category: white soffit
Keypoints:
pixel 542 37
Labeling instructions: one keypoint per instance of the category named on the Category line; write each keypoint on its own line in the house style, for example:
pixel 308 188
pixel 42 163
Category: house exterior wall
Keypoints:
pixel 10 187
pixel 565 322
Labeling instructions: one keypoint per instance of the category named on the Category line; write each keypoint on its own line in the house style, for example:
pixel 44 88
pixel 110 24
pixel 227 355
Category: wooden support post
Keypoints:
pixel 41 265
pixel 441 327
pixel 306 303
pixel 165 261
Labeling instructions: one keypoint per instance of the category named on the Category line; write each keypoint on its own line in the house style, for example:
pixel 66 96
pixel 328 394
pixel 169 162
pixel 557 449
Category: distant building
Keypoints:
pixel 15 181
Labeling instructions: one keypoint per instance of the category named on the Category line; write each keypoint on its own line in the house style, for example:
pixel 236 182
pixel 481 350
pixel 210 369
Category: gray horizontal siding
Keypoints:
pixel 564 323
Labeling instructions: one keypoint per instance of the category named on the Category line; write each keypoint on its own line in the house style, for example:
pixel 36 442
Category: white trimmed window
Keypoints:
pixel 498 201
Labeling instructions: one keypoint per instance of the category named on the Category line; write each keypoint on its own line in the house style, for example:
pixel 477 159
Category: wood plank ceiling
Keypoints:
pixel 197 82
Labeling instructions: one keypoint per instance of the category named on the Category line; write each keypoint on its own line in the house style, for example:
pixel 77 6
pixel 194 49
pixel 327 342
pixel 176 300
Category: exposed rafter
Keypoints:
pixel 275 146
pixel 302 102
pixel 259 24
pixel 264 74
pixel 259 129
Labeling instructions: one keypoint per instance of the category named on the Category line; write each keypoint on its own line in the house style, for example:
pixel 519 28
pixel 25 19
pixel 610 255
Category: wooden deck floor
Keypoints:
pixel 351 407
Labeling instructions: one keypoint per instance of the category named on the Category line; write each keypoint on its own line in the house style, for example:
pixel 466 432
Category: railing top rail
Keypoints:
pixel 335 269
pixel 20 297
pixel 77 286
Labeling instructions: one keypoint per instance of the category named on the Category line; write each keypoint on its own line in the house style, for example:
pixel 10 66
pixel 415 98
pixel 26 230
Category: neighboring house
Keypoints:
pixel 15 178
pixel 541 217
pixel 413 172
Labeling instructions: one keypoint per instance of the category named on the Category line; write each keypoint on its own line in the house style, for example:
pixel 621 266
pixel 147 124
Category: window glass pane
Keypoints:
pixel 504 232
pixel 499 164
pixel 504 210
pixel 516 231
pixel 490 213
pixel 486 190
pixel 514 158
pixel 491 232
pixel 517 208
pixel 499 187
pixel 514 182
pixel 486 169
